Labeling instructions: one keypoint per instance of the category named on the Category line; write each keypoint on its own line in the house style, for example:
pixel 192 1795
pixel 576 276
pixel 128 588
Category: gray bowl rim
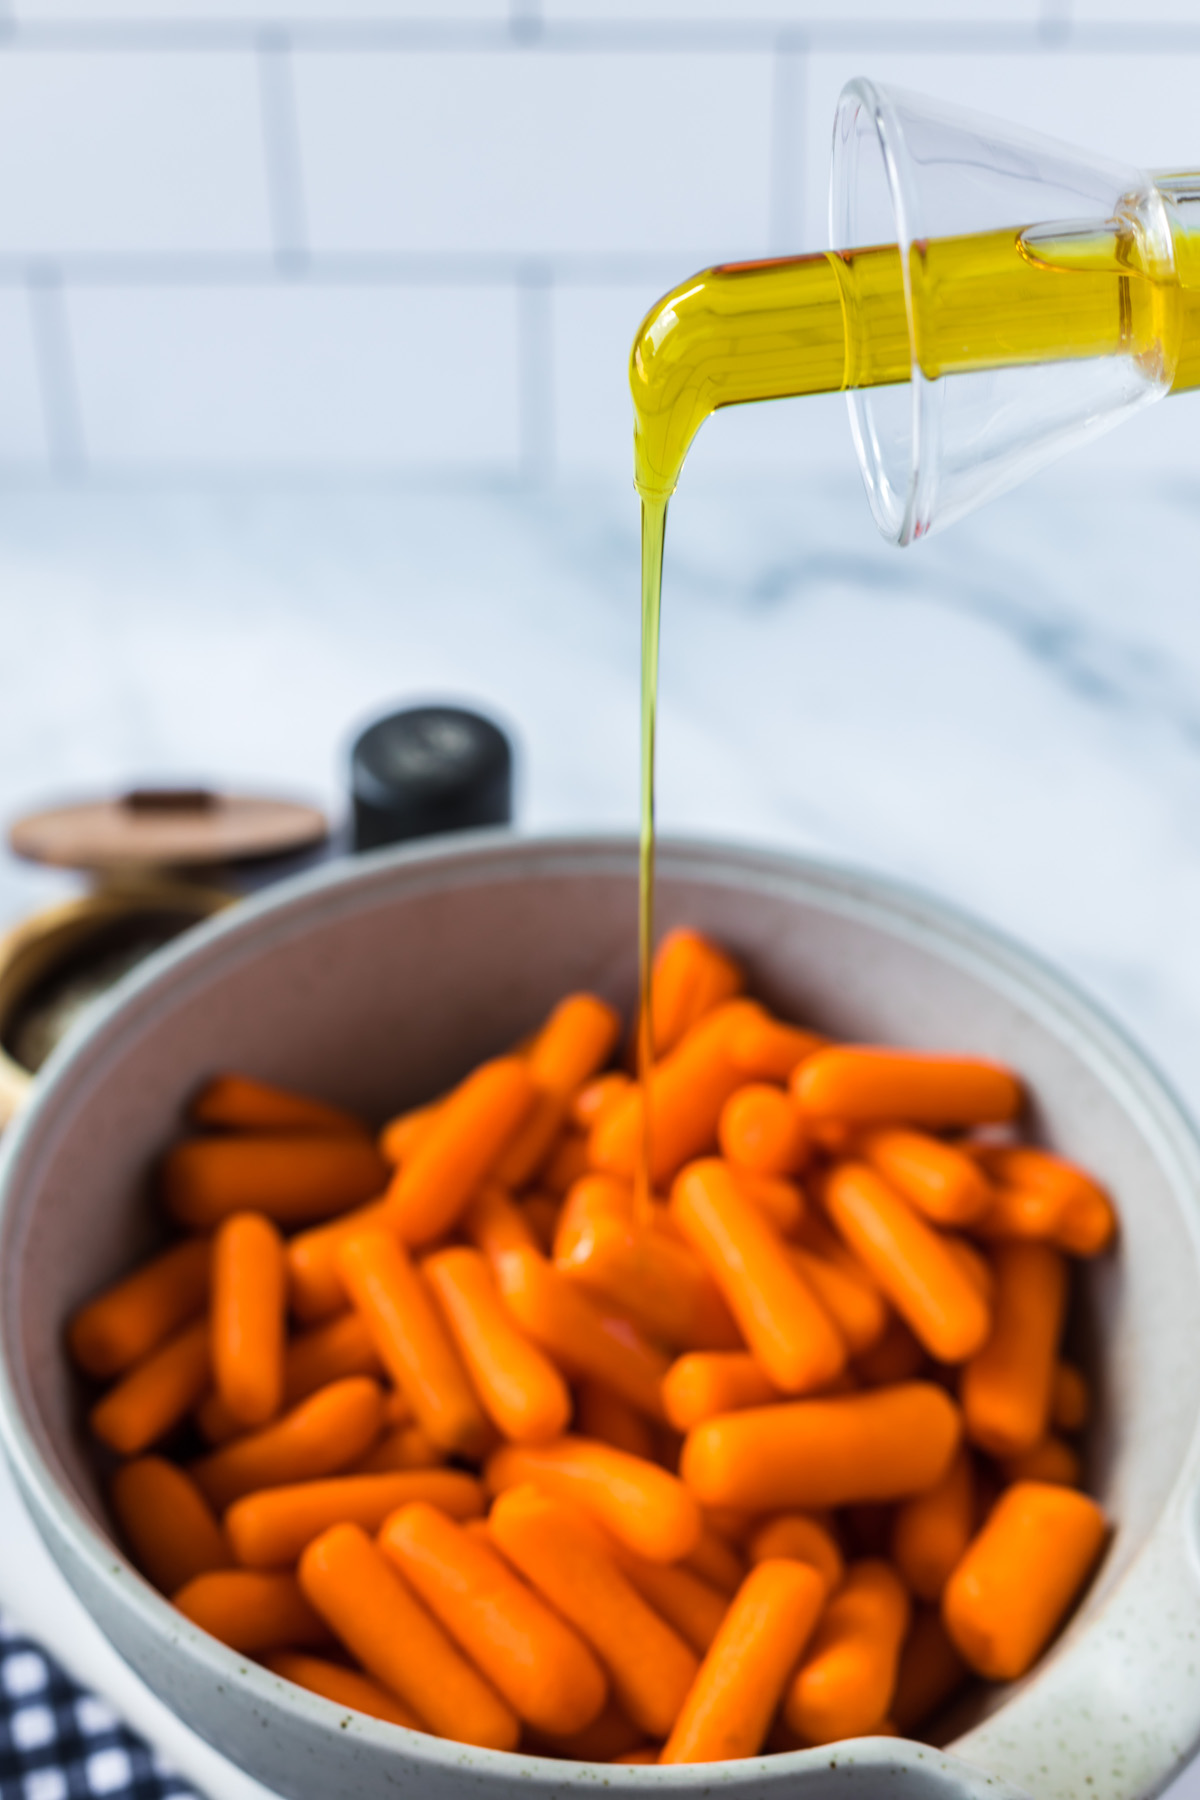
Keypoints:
pixel 907 911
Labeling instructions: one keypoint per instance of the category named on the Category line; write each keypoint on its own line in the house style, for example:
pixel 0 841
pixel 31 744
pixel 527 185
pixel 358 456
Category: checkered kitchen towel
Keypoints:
pixel 59 1743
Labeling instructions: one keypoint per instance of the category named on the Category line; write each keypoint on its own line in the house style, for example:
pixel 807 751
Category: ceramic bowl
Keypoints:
pixel 376 984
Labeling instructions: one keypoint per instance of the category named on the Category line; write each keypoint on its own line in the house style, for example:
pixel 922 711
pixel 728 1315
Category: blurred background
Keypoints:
pixel 314 323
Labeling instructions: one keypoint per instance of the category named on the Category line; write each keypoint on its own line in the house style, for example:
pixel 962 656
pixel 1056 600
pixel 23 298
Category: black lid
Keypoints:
pixel 429 769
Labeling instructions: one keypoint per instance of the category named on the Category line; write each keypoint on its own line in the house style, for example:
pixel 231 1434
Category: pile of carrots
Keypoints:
pixel 466 1428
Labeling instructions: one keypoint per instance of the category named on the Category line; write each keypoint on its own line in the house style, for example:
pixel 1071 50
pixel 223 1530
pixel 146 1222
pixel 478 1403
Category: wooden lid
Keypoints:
pixel 166 828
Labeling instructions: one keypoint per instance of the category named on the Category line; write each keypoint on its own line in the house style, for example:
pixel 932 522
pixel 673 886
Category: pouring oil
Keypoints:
pixel 840 320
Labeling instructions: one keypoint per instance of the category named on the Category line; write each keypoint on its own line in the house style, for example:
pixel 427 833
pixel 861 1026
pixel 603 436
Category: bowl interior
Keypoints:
pixel 377 986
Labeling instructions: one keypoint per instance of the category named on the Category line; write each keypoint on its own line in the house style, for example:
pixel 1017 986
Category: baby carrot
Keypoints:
pixel 247 1320
pixel 911 1264
pixel 716 1561
pixel 270 1529
pixel 1013 1587
pixel 603 1415
pixel 688 1088
pixel 1070 1401
pixel 315 1358
pixel 240 1103
pixel 803 1539
pixel 854 1304
pixel 343 1686
pixel 639 1503
pixel 1049 1460
pixel 167 1523
pixel 496 1225
pixel 403 1447
pixel 642 1270
pixel 411 1339
pixel 931 1672
pixel 472 1126
pixel 127 1321
pixel 542 1668
pixel 519 1386
pixel 156 1393
pixel 689 978
pixel 706 1383
pixel 779 1199
pixel 401 1135
pixel 885 1444
pixel 597 1097
pixel 867 1086
pixel 567 1162
pixel 946 1185
pixel 765 1049
pixel 1085 1221
pixel 787 1329
pixel 251 1611
pixel 540 1213
pixel 896 1357
pixel 583 1338
pixel 845 1684
pixel 370 1607
pixel 315 1290
pixel 692 1606
pixel 731 1702
pixel 1006 1388
pixel 761 1130
pixel 649 1665
pixel 931 1531
pixel 606 1738
pixel 645 1756
pixel 295 1178
pixel 321 1435
pixel 576 1040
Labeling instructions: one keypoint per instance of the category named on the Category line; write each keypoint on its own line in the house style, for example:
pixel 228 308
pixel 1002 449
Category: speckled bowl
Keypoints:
pixel 376 984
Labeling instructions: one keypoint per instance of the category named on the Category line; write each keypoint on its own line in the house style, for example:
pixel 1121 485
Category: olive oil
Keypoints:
pixel 840 320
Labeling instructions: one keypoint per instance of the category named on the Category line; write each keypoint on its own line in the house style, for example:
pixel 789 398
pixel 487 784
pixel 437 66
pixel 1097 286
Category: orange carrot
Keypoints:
pixel 705 1384
pixel 318 1437
pixel 605 1416
pixel 739 1684
pixel 852 1301
pixel 400 1136
pixel 691 1606
pixel 606 1738
pixel 496 1225
pixel 584 1339
pixel 930 1674
pixel 167 1523
pixel 689 978
pixel 761 1130
pixel 430 1190
pixel 127 1321
pixel 519 1386
pixel 270 1529
pixel 1070 1400
pixel 716 1561
pixel 1006 1388
pixel 155 1394
pixel 765 1049
pixel 1049 1460
pixel 787 1329
pixel 640 1504
pixel 315 1358
pixel 295 1178
pixel 315 1290
pixel 885 1444
pixel 845 1684
pixel 781 1200
pixel 640 1269
pixel 247 1321
pixel 597 1098
pixel 567 1162
pixel 896 1357
pixel 1018 1578
pixel 540 1213
pixel 688 1088
pixel 544 1670
pixel 1085 1221
pixel 403 1447
pixel 343 1686
pixel 940 1181
pixel 576 1040
pixel 360 1595
pixel 865 1085
pixel 251 1611
pixel 240 1103
pixel 909 1261
pixel 973 1264
pixel 931 1531
pixel 411 1340
pixel 804 1539
pixel 649 1665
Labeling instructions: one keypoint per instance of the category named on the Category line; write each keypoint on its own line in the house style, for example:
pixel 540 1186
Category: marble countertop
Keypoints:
pixel 1007 715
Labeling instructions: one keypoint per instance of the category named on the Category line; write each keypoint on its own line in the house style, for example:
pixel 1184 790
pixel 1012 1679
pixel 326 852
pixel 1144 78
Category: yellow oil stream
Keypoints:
pixel 839 320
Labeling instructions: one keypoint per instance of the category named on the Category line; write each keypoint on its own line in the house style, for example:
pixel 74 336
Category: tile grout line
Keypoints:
pixel 56 374
pixel 535 371
pixel 281 152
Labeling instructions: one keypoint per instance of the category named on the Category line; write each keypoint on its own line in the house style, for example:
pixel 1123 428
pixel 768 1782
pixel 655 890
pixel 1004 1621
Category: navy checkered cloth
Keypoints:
pixel 59 1743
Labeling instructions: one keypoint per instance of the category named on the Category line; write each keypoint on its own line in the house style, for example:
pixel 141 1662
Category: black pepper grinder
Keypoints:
pixel 429 769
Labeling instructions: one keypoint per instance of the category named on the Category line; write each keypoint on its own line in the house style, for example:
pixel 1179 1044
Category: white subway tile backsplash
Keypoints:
pixel 22 427
pixel 799 12
pixel 537 152
pixel 130 151
pixel 298 376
